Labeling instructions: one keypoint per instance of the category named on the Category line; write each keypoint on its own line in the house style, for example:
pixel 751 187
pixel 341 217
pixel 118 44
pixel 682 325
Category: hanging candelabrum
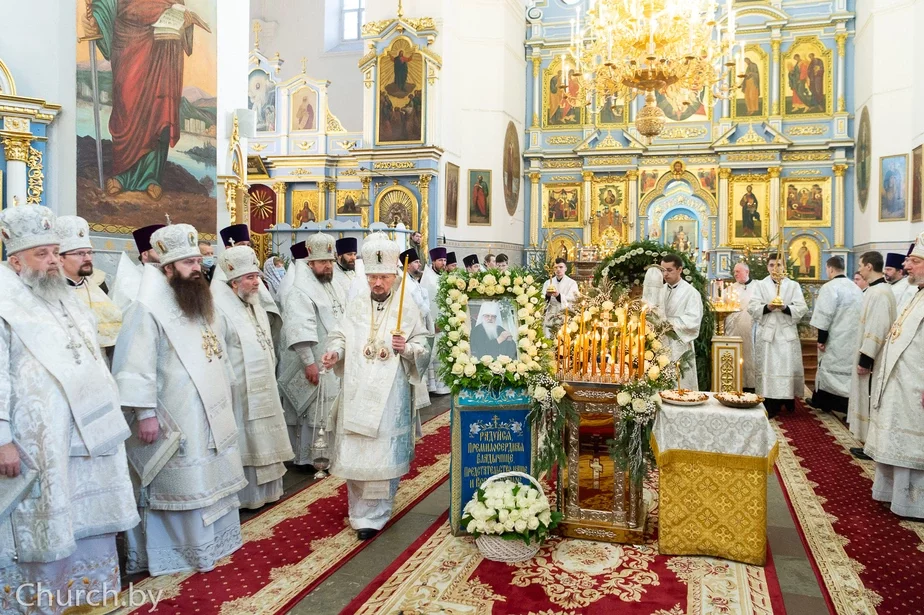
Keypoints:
pixel 675 48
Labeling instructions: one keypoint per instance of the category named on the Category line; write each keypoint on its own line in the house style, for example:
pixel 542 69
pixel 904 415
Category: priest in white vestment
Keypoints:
pixel 345 267
pixel 836 314
pixel 312 308
pixel 740 323
pixel 65 490
pixel 128 274
pixel 263 437
pixel 77 263
pixel 683 309
pixel 896 439
pixel 777 349
pixel 375 417
pixel 174 379
pixel 559 292
pixel 431 283
pixel 894 271
pixel 877 313
pixel 421 298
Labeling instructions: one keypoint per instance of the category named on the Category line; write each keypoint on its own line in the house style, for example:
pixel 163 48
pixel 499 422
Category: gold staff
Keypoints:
pixel 398 330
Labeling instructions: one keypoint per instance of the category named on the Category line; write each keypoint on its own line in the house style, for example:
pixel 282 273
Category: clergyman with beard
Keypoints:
pixel 60 419
pixel 345 269
pixel 489 337
pixel 313 307
pixel 264 441
pixel 171 366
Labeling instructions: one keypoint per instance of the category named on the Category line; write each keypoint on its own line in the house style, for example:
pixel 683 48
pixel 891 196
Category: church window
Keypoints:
pixel 353 15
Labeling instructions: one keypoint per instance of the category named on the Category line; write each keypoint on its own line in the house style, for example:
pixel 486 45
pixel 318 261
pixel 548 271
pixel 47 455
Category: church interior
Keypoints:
pixel 746 131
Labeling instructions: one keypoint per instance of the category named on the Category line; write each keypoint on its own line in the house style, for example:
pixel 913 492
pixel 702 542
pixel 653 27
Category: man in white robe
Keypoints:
pixel 877 313
pixel 740 323
pixel 128 274
pixel 313 307
pixel 431 283
pixel 299 253
pixel 777 349
pixel 60 428
pixel 173 375
pixel 77 263
pixel 345 268
pixel 895 439
pixel 683 309
pixel 239 235
pixel 894 271
pixel 375 417
pixel 836 314
pixel 559 292
pixel 418 293
pixel 264 439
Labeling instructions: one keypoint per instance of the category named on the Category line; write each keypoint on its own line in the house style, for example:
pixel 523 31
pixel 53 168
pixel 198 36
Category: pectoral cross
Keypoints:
pixel 210 344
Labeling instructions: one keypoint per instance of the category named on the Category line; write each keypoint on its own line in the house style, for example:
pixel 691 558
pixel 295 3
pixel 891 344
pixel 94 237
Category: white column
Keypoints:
pixel 724 174
pixel 588 199
pixel 776 224
pixel 840 170
pixel 16 152
pixel 632 212
pixel 534 200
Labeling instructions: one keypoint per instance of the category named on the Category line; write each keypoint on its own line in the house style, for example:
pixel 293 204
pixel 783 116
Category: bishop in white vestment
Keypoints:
pixel 77 263
pixel 174 379
pixel 128 274
pixel 65 490
pixel 263 438
pixel 836 313
pixel 740 323
pixel 683 309
pixel 375 417
pixel 877 313
pixel 431 283
pixel 559 291
pixel 896 439
pixel 777 349
pixel 312 309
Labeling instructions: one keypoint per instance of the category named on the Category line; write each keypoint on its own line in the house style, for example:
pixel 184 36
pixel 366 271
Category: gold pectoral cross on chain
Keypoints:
pixel 210 344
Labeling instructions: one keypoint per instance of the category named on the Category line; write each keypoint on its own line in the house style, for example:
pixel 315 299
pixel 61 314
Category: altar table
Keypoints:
pixel 713 464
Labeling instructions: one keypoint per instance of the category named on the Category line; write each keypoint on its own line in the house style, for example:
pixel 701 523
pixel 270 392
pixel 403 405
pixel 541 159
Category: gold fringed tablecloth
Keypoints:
pixel 713 464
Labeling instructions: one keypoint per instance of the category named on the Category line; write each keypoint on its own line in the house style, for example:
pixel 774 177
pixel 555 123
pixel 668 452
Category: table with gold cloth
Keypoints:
pixel 713 464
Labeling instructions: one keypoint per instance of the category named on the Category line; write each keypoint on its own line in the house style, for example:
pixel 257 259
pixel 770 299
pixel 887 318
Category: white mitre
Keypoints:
pixel 27 226
pixel 74 233
pixel 380 254
pixel 175 242
pixel 320 247
pixel 918 249
pixel 238 261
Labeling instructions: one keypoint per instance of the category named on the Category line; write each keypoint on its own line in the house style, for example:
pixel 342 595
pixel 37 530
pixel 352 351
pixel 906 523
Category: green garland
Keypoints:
pixel 626 269
pixel 531 370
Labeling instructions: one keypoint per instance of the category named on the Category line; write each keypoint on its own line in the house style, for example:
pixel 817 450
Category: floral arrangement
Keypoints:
pixel 626 269
pixel 510 510
pixel 532 370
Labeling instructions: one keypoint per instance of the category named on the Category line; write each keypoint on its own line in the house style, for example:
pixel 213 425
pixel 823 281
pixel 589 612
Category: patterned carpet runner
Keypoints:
pixel 289 549
pixel 440 573
pixel 867 559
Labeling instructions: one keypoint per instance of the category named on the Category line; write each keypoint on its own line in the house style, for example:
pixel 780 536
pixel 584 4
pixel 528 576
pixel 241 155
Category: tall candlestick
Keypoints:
pixel 641 343
pixel 398 330
pixel 622 343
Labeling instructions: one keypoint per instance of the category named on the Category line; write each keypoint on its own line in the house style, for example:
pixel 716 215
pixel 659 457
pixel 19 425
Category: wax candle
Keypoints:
pixel 622 348
pixel 593 356
pixel 641 343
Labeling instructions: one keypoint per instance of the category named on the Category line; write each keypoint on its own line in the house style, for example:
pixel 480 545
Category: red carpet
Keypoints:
pixel 289 549
pixel 440 573
pixel 867 559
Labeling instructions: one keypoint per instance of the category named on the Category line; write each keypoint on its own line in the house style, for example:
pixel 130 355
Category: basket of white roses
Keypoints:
pixel 509 519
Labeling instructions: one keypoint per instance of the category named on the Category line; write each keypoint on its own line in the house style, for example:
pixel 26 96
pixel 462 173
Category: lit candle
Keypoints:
pixel 593 355
pixel 603 341
pixel 622 343
pixel 641 343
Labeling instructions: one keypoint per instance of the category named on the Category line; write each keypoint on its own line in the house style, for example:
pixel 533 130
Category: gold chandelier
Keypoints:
pixel 673 47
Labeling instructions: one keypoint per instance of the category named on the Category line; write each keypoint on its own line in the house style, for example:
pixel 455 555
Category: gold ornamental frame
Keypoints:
pixel 421 82
pixel 546 189
pixel 400 193
pixel 764 64
pixel 828 56
pixel 601 182
pixel 547 73
pixel 764 209
pixel 825 183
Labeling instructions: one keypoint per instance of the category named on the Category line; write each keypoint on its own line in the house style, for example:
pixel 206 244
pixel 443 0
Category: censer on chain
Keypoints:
pixel 320 448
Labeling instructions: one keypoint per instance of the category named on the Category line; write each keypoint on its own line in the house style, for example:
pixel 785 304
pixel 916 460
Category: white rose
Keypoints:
pixel 521 368
pixel 454 335
pixel 511 368
pixel 509 501
pixel 649 356
pixel 517 281
pixel 473 284
pixel 499 528
pixel 504 281
pixel 525 343
pixel 534 366
pixel 486 359
pixel 503 515
pixel 514 514
pixel 638 405
pixel 623 398
pixel 654 372
pixel 480 288
pixel 520 525
pixel 532 494
pixel 460 284
pixel 533 523
pixel 469 370
pixel 473 360
pixel 456 351
pixel 656 345
pixel 510 525
pixel 497 368
pixel 540 393
pixel 458 368
pixel 464 346
pixel 531 335
pixel 453 321
pixel 455 306
pixel 503 359
pixel 608 305
pixel 522 313
pixel 558 393
pixel 545 518
pixel 532 351
pixel 489 280
pixel 663 360
pixel 464 358
pixel 529 279
pixel 498 289
pixel 463 300
pixel 454 293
